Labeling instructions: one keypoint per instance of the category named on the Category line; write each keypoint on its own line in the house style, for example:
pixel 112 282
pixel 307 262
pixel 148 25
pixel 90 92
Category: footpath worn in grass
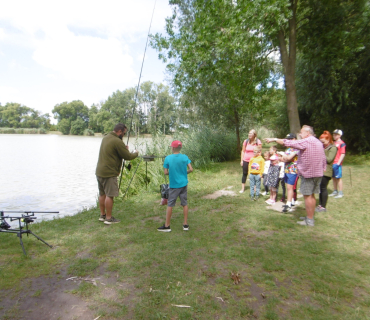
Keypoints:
pixel 287 271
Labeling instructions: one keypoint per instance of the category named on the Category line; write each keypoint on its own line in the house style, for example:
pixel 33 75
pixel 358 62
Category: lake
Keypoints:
pixel 49 172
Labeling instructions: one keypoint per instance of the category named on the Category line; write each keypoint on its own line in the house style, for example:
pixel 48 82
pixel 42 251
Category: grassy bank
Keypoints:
pixel 287 271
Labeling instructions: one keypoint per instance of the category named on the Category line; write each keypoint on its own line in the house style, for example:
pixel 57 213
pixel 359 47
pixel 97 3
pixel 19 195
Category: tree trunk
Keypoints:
pixel 237 131
pixel 288 60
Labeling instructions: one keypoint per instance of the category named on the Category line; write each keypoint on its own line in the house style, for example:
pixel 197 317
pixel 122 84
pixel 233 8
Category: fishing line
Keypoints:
pixel 136 96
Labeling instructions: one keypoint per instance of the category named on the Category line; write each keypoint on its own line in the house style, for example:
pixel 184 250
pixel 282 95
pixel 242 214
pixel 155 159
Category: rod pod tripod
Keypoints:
pixel 24 220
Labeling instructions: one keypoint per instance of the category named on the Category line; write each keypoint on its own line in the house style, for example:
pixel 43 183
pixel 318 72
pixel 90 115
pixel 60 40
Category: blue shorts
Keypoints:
pixel 337 171
pixel 290 178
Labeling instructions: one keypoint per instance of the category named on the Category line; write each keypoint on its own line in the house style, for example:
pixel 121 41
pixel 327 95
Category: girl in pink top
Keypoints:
pixel 247 154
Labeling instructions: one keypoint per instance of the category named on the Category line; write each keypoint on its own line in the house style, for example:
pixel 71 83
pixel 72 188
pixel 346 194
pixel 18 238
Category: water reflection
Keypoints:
pixel 49 173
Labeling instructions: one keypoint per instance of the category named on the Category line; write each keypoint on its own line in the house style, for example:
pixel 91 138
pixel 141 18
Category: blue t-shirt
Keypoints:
pixel 177 164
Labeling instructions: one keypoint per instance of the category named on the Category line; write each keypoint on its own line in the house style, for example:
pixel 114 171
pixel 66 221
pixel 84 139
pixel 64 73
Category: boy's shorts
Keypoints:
pixel 178 192
pixel 310 185
pixel 108 186
pixel 337 171
pixel 290 178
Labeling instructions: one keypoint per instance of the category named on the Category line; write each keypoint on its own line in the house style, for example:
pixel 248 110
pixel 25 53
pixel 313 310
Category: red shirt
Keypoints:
pixel 311 161
pixel 341 146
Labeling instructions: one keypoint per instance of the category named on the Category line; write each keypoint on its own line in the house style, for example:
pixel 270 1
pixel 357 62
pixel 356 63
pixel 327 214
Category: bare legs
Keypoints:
pixel 169 215
pixel 338 184
pixel 310 202
pixel 106 206
pixel 290 192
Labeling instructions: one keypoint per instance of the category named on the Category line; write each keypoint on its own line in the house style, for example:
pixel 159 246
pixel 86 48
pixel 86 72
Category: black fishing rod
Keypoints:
pixel 136 96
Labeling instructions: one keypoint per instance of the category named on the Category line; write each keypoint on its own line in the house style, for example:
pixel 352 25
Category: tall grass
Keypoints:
pixel 203 146
pixel 22 131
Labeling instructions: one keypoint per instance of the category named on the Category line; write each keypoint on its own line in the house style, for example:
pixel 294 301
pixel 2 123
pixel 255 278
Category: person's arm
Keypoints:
pixel 279 141
pixel 241 155
pixel 190 168
pixel 341 158
pixel 331 154
pixel 166 172
pixel 289 157
pixel 123 152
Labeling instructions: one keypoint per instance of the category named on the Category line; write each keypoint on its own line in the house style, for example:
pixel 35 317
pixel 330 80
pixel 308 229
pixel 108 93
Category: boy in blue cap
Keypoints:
pixel 177 166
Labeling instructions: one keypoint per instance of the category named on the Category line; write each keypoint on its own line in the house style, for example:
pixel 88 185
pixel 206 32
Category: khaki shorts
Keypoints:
pixel 108 186
pixel 310 186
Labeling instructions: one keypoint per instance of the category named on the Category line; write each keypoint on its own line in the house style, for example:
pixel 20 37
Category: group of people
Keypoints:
pixel 314 161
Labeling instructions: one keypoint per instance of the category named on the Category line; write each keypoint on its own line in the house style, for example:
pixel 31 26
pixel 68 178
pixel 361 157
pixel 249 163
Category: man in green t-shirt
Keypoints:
pixel 112 151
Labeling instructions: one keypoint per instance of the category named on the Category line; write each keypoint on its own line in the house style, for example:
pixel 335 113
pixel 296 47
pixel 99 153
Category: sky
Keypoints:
pixel 53 51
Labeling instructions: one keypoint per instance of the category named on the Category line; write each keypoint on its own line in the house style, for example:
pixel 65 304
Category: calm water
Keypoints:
pixel 48 173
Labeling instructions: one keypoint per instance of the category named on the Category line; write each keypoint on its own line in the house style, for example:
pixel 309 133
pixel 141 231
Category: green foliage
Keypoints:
pixel 78 126
pixel 88 132
pixel 204 145
pixel 14 115
pixel 333 70
pixel 64 126
pixel 22 131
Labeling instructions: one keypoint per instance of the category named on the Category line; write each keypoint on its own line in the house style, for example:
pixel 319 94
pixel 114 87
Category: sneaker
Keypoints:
pixel 340 195
pixel 268 201
pixel 264 193
pixel 317 209
pixel 286 208
pixel 111 220
pixel 185 227
pixel 165 229
pixel 333 194
pixel 256 198
pixel 241 191
pixel 321 209
pixel 282 200
pixel 302 218
pixel 102 217
pixel 252 198
pixel 306 222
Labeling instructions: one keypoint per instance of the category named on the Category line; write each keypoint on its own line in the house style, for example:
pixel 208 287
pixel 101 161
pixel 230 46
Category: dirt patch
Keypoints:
pixel 45 298
pixel 278 206
pixel 156 219
pixel 223 208
pixel 220 193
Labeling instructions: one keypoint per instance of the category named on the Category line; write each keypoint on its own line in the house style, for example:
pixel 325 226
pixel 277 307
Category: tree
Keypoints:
pixel 211 49
pixel 333 70
pixel 69 112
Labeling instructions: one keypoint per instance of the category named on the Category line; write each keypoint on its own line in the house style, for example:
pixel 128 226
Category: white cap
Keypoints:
pixel 338 131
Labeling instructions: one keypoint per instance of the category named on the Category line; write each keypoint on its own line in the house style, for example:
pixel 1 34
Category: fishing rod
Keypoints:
pixel 136 96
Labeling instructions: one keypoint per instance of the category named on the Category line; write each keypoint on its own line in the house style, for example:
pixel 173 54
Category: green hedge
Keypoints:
pixel 23 131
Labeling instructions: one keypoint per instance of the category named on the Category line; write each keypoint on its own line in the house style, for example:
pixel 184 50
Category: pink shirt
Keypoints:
pixel 248 154
pixel 311 161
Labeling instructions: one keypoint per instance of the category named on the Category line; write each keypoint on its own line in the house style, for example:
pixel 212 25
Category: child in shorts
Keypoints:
pixel 177 166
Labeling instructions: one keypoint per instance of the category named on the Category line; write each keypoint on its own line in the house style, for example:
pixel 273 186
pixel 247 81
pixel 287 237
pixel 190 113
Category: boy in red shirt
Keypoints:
pixel 337 164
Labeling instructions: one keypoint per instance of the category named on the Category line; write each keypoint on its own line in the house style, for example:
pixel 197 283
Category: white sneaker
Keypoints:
pixel 340 195
pixel 333 194
pixel 307 222
pixel 241 191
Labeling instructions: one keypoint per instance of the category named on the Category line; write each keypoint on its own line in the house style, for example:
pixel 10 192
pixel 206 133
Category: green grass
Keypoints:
pixel 287 271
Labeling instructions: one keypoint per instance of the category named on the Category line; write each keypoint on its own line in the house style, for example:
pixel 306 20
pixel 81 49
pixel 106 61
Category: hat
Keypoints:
pixel 274 157
pixel 338 131
pixel 176 144
pixel 291 136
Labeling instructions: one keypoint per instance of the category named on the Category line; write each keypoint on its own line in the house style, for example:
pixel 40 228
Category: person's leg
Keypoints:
pixel 108 207
pixel 185 211
pixel 324 191
pixel 245 174
pixel 252 183
pixel 290 193
pixel 335 184
pixel 284 189
pixel 310 203
pixel 340 185
pixel 258 185
pixel 102 204
pixel 168 216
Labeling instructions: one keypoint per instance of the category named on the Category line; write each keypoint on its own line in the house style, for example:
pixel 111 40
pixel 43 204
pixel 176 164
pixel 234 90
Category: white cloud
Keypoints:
pixel 8 94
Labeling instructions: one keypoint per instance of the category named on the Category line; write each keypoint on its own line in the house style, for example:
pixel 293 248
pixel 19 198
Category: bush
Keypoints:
pixel 88 132
pixel 78 127
pixel 64 126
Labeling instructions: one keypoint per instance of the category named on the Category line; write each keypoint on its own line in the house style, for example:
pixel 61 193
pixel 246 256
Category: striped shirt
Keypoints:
pixel 311 161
